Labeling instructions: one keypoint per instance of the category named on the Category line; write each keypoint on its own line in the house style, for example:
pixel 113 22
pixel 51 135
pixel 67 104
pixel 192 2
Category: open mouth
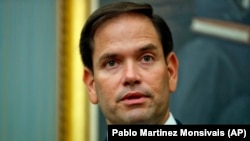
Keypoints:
pixel 134 98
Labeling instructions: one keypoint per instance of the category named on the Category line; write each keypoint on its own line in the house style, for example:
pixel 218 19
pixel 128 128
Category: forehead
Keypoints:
pixel 125 27
pixel 125 35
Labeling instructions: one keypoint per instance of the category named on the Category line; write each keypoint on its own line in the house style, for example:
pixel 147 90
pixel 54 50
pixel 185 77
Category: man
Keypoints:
pixel 130 67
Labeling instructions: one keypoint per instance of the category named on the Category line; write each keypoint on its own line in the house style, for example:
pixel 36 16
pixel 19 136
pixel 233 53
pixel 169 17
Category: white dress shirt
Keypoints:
pixel 171 120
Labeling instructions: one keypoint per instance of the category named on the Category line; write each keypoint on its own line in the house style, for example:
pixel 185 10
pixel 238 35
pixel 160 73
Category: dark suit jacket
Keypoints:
pixel 178 122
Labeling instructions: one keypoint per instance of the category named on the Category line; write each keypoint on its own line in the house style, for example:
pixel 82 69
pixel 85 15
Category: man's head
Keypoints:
pixel 130 68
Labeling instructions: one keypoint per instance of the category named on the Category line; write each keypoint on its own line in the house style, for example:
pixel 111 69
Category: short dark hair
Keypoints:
pixel 111 10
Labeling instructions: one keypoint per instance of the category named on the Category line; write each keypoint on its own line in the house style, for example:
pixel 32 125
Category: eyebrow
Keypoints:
pixel 147 47
pixel 107 56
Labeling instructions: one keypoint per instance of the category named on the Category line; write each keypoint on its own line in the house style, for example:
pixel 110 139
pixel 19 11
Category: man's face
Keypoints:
pixel 132 79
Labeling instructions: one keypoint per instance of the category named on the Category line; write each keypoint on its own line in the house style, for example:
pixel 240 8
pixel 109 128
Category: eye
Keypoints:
pixel 147 58
pixel 111 63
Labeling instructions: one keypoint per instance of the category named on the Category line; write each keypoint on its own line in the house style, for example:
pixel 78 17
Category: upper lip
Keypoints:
pixel 133 95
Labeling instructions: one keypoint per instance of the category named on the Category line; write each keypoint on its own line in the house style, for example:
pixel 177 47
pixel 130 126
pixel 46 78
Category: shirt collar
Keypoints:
pixel 171 120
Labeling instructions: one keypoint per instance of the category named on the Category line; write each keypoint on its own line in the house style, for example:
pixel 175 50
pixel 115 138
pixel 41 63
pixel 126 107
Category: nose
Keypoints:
pixel 131 74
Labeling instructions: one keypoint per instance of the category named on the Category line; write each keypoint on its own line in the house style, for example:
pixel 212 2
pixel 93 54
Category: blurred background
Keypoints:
pixel 28 70
pixel 42 96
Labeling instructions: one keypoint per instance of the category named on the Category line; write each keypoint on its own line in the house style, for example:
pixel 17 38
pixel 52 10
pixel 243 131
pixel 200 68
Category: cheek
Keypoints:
pixel 158 81
pixel 105 89
pixel 162 75
pixel 106 93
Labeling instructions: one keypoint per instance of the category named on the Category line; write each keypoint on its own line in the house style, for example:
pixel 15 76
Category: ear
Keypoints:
pixel 173 64
pixel 89 81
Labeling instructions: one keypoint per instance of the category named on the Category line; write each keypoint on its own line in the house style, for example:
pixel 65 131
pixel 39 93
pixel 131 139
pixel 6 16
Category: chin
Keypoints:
pixel 137 118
